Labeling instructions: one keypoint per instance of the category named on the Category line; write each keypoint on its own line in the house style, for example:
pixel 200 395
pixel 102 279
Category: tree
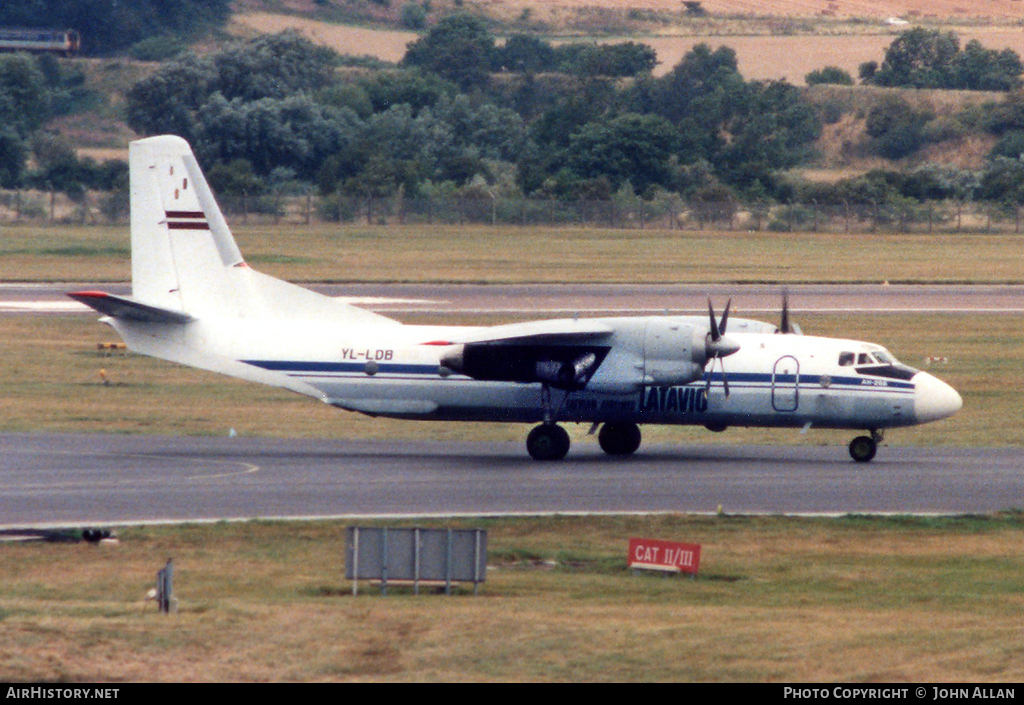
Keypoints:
pixel 701 87
pixel 919 58
pixel 897 127
pixel 459 48
pixel 613 60
pixel 830 75
pixel 294 132
pixel 23 94
pixel 273 66
pixel 774 132
pixel 923 58
pixel 12 157
pixel 980 69
pixel 1004 181
pixel 165 102
pixel 525 53
pixel 632 147
pixel 416 89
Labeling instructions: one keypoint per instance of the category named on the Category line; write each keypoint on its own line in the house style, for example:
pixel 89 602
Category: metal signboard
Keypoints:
pixel 415 555
pixel 668 556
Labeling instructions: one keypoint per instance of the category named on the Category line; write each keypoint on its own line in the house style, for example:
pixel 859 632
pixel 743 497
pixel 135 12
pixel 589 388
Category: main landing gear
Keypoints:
pixel 863 448
pixel 549 441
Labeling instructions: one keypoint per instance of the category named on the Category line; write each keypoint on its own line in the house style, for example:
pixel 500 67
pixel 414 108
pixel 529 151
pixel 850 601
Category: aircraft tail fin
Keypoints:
pixel 184 257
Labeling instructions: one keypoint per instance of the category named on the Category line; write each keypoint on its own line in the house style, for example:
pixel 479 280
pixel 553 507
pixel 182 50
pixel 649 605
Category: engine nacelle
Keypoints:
pixel 674 352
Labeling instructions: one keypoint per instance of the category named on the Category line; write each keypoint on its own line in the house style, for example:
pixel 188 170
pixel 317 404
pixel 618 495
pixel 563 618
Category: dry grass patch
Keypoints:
pixel 779 599
pixel 509 254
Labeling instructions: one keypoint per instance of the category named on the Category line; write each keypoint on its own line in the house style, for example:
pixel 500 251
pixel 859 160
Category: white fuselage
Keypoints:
pixel 774 380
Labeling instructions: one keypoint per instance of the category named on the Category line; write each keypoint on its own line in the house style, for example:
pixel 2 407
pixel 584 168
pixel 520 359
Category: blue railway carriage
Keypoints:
pixel 64 41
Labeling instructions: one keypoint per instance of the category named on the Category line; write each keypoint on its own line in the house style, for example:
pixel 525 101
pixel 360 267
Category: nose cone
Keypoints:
pixel 934 399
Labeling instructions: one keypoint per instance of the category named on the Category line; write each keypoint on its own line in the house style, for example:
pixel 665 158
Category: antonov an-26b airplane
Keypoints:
pixel 195 302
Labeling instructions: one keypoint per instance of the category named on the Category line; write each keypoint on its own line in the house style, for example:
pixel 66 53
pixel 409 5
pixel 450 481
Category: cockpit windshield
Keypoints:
pixel 875 358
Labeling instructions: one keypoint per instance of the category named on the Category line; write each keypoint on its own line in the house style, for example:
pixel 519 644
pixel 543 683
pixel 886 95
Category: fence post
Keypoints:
pixel 355 561
pixel 476 562
pixel 448 565
pixel 384 563
pixel 164 587
pixel 416 562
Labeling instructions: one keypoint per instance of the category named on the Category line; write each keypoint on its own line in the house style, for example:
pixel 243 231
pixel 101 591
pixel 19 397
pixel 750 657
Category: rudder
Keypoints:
pixel 181 245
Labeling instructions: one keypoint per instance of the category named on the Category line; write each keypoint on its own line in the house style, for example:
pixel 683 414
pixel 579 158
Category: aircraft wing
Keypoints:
pixel 127 308
pixel 563 330
pixel 563 353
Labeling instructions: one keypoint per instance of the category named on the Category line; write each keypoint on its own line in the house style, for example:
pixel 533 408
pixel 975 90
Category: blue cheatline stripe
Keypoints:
pixel 293 366
pixel 307 368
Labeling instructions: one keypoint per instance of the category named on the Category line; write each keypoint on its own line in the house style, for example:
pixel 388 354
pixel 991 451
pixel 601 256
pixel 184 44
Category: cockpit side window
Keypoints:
pixel 864 359
pixel 845 359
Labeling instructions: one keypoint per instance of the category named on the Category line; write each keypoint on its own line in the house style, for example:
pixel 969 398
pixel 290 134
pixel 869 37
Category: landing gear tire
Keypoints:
pixel 547 442
pixel 619 438
pixel 863 449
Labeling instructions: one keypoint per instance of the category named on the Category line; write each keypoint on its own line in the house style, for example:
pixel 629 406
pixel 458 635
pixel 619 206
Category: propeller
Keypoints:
pixel 717 345
pixel 784 327
pixel 787 327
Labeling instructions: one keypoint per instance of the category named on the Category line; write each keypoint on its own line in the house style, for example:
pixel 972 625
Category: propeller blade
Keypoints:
pixel 785 326
pixel 715 333
pixel 725 318
pixel 725 380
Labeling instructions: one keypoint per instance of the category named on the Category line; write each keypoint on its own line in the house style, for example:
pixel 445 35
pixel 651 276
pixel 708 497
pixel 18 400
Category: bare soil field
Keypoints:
pixel 945 9
pixel 761 56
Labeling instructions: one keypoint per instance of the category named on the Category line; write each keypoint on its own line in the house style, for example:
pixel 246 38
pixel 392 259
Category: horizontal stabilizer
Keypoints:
pixel 129 309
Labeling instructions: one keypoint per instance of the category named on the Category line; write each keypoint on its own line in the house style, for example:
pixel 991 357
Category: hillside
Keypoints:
pixel 764 55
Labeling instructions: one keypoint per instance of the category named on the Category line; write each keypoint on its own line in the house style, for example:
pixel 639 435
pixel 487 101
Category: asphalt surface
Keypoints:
pixel 94 480
pixel 599 299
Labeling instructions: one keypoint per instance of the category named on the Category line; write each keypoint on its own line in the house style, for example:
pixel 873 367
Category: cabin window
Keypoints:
pixel 845 359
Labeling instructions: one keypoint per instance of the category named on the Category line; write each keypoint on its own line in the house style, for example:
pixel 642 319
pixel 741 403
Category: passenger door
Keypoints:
pixel 786 384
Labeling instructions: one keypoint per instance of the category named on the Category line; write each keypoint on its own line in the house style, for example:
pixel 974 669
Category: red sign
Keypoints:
pixel 652 554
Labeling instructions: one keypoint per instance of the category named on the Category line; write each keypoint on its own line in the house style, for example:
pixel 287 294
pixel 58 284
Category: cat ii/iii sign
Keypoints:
pixel 669 556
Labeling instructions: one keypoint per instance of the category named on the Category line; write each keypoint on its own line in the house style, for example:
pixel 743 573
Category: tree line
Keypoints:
pixel 462 115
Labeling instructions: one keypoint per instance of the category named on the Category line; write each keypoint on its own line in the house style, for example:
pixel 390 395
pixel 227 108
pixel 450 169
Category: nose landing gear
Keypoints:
pixel 863 448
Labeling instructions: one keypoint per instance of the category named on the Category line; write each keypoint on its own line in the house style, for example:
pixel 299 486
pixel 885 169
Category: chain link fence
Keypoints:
pixel 906 216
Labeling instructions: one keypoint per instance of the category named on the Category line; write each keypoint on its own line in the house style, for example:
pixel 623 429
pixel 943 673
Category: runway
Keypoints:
pixel 52 480
pixel 61 480
pixel 557 300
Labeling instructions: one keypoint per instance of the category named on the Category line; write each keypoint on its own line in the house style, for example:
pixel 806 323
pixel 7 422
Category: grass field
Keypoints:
pixel 507 254
pixel 851 600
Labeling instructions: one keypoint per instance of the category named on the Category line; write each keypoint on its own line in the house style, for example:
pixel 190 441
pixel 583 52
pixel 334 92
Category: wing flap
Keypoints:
pixel 129 309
